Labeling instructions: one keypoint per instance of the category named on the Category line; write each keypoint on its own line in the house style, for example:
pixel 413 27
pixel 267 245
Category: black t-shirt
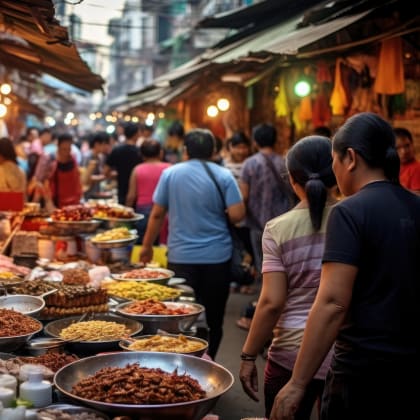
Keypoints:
pixel 378 231
pixel 123 158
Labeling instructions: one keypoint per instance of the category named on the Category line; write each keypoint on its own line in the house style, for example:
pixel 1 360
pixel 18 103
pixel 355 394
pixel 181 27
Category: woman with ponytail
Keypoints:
pixel 368 299
pixel 292 250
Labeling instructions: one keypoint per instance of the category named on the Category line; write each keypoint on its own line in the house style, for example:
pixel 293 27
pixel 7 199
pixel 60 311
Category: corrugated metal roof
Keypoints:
pixel 46 47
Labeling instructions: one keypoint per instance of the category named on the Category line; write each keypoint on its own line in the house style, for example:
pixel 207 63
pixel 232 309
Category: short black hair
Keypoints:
pixel 322 130
pixel 403 132
pixel 65 137
pixel 176 129
pixel 7 150
pixel 200 143
pixel 239 137
pixel 45 130
pixel 130 130
pixel 150 148
pixel 100 137
pixel 265 135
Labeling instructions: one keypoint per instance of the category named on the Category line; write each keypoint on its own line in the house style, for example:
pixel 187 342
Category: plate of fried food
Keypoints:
pixel 157 385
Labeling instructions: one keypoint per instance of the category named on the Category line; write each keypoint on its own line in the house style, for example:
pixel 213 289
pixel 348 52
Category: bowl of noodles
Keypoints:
pixel 171 343
pixel 97 333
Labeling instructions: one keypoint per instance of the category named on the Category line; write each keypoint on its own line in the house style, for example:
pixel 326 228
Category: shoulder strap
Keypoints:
pixel 211 175
pixel 280 181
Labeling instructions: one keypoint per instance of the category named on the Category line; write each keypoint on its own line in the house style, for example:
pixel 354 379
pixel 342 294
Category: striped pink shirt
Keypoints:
pixel 291 246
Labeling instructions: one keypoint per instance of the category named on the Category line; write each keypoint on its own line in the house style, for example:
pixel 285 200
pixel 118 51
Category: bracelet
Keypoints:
pixel 248 357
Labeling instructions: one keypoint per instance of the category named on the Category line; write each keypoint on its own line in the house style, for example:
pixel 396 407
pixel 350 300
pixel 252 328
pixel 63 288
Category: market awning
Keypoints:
pixel 282 39
pixel 33 41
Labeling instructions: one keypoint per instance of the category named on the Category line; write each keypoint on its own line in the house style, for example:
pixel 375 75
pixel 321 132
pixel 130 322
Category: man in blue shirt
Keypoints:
pixel 199 241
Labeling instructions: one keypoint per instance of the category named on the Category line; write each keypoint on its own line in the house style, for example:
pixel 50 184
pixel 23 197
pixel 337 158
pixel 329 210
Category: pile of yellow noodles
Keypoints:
pixel 179 344
pixel 95 331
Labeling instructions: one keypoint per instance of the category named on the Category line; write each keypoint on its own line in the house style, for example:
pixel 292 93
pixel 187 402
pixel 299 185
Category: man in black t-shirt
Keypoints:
pixel 123 158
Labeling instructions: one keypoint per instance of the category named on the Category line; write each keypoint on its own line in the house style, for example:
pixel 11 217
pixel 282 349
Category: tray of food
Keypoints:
pixel 101 332
pixel 114 238
pixel 114 212
pixel 69 412
pixel 172 343
pixel 172 317
pixel 136 290
pixel 157 275
pixel 8 278
pixel 180 386
pixel 16 329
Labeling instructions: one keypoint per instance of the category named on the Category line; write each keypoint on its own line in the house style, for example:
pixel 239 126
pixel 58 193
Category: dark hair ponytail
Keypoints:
pixel 309 163
pixel 373 139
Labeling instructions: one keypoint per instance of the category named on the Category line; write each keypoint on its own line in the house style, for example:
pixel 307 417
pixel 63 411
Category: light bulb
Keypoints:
pixel 223 104
pixel 212 111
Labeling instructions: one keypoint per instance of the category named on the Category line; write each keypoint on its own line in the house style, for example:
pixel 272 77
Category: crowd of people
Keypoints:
pixel 328 239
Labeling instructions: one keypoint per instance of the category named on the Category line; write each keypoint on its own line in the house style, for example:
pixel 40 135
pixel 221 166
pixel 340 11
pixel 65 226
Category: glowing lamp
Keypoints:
pixel 212 111
pixel 3 110
pixel 5 88
pixel 302 88
pixel 223 104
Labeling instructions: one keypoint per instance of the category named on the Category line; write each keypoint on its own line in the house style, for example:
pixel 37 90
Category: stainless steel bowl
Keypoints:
pixel 118 243
pixel 164 279
pixel 125 344
pixel 212 377
pixel 12 343
pixel 54 329
pixel 25 304
pixel 111 223
pixel 81 226
pixel 73 409
pixel 168 323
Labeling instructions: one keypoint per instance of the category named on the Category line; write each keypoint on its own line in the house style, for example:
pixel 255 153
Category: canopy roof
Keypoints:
pixel 32 40
pixel 265 38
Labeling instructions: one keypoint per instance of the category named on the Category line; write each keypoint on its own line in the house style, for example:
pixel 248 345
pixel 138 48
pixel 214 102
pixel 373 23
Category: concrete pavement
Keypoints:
pixel 235 404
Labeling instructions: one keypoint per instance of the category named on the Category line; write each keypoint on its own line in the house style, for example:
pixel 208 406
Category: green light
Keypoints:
pixel 302 88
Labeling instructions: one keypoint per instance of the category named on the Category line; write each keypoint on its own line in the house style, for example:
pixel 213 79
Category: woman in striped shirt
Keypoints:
pixel 293 245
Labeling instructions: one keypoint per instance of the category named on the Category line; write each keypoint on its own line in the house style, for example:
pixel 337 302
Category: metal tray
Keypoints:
pixel 118 243
pixel 166 276
pixel 80 226
pixel 213 378
pixel 54 328
pixel 73 409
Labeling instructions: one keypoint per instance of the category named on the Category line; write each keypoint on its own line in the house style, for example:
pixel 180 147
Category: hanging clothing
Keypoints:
pixel 321 112
pixel 305 110
pixel 338 100
pixel 390 75
pixel 281 104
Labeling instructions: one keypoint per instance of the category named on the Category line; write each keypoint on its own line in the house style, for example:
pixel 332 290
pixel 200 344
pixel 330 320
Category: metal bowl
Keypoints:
pixel 125 344
pixel 25 304
pixel 73 409
pixel 14 342
pixel 168 323
pixel 166 276
pixel 111 223
pixel 117 243
pixel 54 328
pixel 81 226
pixel 212 377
